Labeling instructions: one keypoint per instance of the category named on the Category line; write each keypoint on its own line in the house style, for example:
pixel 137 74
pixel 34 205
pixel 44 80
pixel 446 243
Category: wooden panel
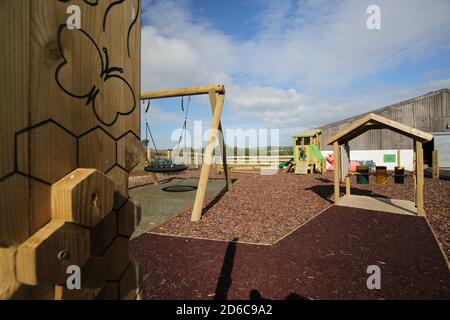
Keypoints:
pixel 68 98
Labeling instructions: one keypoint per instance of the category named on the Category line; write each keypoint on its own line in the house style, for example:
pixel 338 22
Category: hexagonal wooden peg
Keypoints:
pixel 129 217
pixel 45 256
pixel 84 196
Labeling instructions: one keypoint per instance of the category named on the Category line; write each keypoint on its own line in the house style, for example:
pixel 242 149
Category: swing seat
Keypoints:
pixel 164 166
pixel 166 169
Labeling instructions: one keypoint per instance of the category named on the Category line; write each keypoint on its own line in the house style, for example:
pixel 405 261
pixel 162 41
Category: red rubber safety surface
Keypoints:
pixel 327 258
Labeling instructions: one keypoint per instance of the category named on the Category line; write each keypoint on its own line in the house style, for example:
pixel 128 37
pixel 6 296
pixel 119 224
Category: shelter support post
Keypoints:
pixel 337 178
pixel 208 155
pixel 420 178
pixel 347 185
pixel 435 164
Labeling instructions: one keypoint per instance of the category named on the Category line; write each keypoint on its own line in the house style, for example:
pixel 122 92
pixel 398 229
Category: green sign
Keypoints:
pixel 390 158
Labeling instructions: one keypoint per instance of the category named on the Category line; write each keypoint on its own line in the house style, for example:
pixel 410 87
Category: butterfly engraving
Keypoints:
pixel 89 2
pixel 85 73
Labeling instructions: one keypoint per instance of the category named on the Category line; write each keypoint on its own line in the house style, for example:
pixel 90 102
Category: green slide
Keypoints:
pixel 317 155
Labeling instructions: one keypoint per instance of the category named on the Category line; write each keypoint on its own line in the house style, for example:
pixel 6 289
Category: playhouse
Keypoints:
pixel 307 157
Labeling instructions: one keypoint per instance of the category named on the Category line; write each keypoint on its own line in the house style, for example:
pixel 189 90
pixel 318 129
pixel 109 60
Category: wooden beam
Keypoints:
pixel 213 102
pixel 420 178
pixel 220 88
pixel 336 155
pixel 201 191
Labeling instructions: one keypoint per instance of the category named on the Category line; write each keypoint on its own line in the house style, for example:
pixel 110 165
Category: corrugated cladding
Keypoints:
pixel 429 113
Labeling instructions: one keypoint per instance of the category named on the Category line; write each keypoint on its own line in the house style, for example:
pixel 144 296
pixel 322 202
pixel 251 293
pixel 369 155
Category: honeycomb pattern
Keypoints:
pixel 92 144
pixel 48 161
pixel 129 151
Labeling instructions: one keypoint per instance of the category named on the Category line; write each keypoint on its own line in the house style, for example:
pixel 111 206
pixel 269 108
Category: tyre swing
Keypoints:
pixel 165 165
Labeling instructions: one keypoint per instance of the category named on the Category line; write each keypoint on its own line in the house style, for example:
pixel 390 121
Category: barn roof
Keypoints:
pixel 391 106
pixel 373 121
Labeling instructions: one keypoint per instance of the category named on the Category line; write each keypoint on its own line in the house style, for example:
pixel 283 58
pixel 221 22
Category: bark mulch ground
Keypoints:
pixel 263 209
pixel 326 258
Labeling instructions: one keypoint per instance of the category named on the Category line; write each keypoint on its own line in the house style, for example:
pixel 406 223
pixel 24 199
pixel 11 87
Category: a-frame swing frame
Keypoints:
pixel 216 99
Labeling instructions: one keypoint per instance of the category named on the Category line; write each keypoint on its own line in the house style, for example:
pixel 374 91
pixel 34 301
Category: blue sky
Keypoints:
pixel 290 65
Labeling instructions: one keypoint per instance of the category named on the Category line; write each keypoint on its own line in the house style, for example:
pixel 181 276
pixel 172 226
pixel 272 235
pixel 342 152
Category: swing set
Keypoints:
pixel 216 98
pixel 162 165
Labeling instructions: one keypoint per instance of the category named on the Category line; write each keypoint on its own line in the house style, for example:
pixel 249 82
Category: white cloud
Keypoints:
pixel 176 51
pixel 319 48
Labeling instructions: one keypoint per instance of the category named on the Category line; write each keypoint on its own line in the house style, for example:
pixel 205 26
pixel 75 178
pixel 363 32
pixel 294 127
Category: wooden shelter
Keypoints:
pixel 216 98
pixel 371 122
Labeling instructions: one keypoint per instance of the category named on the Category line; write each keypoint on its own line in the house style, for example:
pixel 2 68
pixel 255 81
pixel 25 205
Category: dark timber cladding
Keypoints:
pixel 429 113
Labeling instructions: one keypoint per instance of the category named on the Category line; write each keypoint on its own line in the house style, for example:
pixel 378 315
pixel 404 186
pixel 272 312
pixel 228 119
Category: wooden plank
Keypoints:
pixel 85 196
pixel 219 88
pixel 336 172
pixel 213 102
pixel 420 178
pixel 208 156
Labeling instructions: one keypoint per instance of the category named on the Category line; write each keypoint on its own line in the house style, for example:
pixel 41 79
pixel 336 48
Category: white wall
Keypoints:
pixel 406 157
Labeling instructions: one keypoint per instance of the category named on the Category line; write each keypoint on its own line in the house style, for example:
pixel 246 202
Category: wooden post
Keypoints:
pixel 51 126
pixel 149 155
pixel 347 185
pixel 169 154
pixel 435 164
pixel 201 190
pixel 337 177
pixel 213 102
pixel 420 178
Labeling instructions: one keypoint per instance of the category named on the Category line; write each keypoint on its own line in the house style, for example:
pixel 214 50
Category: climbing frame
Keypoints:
pixel 70 135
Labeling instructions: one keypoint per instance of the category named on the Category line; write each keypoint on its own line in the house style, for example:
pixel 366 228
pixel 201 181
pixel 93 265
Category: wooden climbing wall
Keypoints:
pixel 70 127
